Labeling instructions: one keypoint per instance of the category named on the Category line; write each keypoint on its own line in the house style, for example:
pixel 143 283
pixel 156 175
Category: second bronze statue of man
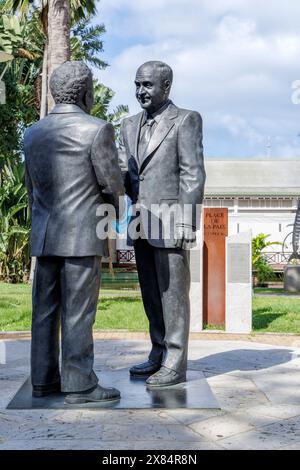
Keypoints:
pixel 72 169
pixel 161 157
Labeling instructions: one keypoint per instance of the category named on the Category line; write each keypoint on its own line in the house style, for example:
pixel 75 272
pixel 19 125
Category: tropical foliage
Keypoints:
pixel 11 33
pixel 14 224
pixel 260 265
pixel 86 42
pixel 23 34
pixel 102 98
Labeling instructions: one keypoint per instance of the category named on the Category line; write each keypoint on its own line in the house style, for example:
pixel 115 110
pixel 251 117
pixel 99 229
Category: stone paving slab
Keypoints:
pixel 108 445
pixel 280 386
pixel 261 439
pixel 51 429
pixel 235 393
pixel 229 425
pixel 187 417
pixel 277 411
pixel 256 385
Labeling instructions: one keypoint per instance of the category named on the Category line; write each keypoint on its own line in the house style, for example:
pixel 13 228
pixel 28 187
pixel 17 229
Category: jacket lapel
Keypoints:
pixel 134 134
pixel 141 118
pixel 160 133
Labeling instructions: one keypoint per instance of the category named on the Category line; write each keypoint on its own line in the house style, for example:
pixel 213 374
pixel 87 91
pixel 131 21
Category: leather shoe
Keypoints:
pixel 165 377
pixel 97 394
pixel 39 391
pixel 146 368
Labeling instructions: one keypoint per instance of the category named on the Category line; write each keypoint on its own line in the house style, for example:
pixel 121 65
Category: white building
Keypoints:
pixel 260 195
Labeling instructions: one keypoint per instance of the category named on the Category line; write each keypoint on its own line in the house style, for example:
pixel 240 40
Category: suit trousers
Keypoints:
pixel 164 277
pixel 65 292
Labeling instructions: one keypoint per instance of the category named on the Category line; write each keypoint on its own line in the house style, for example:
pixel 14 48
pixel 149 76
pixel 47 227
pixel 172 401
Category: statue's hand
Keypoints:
pixel 185 237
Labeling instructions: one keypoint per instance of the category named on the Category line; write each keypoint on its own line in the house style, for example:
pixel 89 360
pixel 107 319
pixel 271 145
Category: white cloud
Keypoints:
pixel 234 61
pixel 239 127
pixel 231 29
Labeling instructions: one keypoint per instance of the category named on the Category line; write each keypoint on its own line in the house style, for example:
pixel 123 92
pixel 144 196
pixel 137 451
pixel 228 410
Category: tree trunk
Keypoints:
pixel 59 25
pixel 44 90
pixel 56 19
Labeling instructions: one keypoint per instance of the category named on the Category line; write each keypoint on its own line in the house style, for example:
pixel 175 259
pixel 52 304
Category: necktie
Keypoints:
pixel 146 133
pixel 148 130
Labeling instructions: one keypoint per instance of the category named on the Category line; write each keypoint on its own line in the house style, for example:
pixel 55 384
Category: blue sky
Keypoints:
pixel 234 61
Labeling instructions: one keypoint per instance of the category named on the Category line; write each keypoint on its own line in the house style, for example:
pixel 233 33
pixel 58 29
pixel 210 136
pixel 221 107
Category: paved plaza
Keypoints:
pixel 256 385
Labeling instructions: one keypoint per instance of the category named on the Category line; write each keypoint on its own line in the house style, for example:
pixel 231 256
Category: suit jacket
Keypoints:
pixel 172 171
pixel 71 168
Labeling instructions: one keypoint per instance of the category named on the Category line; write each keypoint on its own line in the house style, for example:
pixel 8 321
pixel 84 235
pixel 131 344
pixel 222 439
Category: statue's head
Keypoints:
pixel 72 83
pixel 153 82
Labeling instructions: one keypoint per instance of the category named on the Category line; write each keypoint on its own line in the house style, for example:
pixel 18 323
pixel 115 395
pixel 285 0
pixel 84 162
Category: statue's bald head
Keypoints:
pixel 161 68
pixel 153 84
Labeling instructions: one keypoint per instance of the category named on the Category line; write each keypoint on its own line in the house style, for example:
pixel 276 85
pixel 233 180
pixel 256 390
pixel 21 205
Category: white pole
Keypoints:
pixel 5 68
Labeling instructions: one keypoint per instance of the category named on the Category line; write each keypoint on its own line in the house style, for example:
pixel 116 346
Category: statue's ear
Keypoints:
pixel 167 86
pixel 85 98
pixel 88 99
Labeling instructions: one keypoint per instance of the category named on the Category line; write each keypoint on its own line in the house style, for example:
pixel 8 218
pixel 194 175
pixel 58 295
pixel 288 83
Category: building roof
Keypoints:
pixel 252 177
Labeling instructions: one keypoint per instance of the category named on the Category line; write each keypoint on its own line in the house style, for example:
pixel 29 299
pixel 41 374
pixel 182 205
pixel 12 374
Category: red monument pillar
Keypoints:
pixel 215 232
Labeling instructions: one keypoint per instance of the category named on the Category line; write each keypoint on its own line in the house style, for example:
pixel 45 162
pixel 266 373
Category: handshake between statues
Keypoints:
pixel 76 177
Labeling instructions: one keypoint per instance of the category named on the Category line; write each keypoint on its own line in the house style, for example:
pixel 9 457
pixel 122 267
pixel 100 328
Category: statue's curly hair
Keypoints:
pixel 69 81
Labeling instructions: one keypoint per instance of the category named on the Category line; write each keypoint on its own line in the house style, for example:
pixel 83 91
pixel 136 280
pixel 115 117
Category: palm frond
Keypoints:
pixel 82 8
pixel 118 114
pixel 86 43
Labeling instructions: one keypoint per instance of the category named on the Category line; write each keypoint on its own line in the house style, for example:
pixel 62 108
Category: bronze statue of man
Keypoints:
pixel 161 157
pixel 71 169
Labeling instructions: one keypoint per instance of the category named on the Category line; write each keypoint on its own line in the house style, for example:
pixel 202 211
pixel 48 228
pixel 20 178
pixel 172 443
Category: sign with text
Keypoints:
pixel 215 233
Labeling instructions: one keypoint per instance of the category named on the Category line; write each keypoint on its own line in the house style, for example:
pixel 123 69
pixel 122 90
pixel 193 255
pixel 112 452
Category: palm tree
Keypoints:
pixel 55 17
pixel 59 26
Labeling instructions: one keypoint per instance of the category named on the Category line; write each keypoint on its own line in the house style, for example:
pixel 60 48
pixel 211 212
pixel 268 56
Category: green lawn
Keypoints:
pixel 124 310
pixel 276 314
pixel 116 310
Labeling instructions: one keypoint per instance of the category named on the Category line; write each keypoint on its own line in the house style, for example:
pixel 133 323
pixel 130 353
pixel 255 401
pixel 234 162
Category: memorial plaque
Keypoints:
pixel 215 233
pixel 195 263
pixel 239 283
pixel 238 263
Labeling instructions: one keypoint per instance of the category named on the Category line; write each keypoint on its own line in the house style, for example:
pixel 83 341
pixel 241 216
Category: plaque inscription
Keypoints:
pixel 239 263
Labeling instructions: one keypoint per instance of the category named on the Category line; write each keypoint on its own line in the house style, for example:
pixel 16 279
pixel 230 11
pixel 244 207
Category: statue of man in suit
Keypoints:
pixel 71 169
pixel 161 157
